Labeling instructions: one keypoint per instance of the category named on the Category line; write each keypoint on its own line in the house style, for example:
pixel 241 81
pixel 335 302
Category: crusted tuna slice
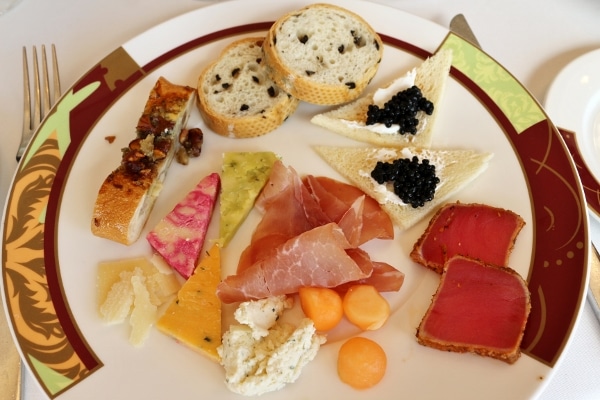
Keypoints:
pixel 478 308
pixel 473 230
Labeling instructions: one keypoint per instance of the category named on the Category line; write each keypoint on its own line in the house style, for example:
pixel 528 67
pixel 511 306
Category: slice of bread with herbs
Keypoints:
pixel 351 119
pixel 322 54
pixel 237 98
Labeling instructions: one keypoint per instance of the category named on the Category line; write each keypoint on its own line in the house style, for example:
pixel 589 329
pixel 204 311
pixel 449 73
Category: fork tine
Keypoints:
pixel 56 75
pixel 36 92
pixel 26 93
pixel 36 109
pixel 45 89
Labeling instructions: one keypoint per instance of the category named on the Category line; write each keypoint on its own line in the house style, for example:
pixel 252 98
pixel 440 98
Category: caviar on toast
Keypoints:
pixel 454 168
pixel 408 117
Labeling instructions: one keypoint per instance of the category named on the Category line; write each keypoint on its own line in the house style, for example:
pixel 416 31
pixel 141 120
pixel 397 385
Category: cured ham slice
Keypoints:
pixel 336 197
pixel 289 210
pixel 309 240
pixel 473 230
pixel 384 277
pixel 285 181
pixel 352 222
pixel 317 257
pixel 478 308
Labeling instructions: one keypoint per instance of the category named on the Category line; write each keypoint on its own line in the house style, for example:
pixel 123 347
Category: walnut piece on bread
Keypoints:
pixel 322 54
pixel 128 193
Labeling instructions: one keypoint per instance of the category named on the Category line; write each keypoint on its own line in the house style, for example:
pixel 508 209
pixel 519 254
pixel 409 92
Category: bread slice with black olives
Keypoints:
pixel 128 193
pixel 454 168
pixel 237 98
pixel 351 119
pixel 322 54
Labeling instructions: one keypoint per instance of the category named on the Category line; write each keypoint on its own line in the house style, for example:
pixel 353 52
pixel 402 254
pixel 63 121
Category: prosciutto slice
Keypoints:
pixel 285 182
pixel 384 277
pixel 479 308
pixel 336 197
pixel 317 257
pixel 474 230
pixel 288 210
pixel 306 239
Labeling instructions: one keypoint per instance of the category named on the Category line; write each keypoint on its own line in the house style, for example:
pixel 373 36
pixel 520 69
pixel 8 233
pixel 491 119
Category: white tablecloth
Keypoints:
pixel 534 39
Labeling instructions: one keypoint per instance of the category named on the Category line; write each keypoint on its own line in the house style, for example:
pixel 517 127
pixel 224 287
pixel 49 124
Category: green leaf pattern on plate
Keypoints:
pixel 512 98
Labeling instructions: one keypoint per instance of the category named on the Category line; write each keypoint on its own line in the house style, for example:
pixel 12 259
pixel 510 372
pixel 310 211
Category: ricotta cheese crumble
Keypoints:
pixel 262 354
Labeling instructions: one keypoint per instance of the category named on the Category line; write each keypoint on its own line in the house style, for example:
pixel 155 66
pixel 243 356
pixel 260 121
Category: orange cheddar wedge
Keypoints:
pixel 194 316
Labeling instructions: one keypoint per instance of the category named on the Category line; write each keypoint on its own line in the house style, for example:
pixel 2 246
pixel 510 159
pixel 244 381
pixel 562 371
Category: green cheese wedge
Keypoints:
pixel 244 175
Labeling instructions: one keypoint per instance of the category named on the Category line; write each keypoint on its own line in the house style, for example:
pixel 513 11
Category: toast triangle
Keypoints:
pixel 349 120
pixel 455 168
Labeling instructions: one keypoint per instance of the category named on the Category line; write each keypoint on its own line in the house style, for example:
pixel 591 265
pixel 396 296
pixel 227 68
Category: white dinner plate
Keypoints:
pixel 50 257
pixel 573 103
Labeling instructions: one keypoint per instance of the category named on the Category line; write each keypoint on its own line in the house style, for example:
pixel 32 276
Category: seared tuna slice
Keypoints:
pixel 477 231
pixel 478 308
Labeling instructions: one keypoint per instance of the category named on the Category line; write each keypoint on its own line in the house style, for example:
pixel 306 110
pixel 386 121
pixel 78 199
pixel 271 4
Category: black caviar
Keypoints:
pixel 413 181
pixel 402 110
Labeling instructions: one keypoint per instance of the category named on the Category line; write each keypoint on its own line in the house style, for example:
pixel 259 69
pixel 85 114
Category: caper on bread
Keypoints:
pixel 454 169
pixel 403 113
pixel 322 54
pixel 127 195
pixel 237 98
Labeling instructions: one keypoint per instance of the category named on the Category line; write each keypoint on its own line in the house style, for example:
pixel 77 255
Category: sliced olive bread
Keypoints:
pixel 322 54
pixel 237 98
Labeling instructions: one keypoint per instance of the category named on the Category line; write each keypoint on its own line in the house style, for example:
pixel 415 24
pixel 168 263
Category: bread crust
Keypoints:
pixel 118 202
pixel 290 76
pixel 125 198
pixel 257 121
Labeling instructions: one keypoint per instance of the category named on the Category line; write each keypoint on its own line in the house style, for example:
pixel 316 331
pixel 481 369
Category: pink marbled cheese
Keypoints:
pixel 180 235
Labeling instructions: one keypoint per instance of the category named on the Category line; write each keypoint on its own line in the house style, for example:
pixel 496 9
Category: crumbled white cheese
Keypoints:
pixel 383 95
pixel 260 315
pixel 147 145
pixel 264 355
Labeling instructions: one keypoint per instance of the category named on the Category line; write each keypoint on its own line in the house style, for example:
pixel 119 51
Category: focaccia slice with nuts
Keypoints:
pixel 127 195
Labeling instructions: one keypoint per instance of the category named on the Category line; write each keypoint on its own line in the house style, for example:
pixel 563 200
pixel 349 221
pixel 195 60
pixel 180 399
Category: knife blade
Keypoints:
pixel 460 26
pixel 594 293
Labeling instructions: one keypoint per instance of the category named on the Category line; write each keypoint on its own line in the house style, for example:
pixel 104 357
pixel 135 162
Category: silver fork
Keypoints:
pixel 34 112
